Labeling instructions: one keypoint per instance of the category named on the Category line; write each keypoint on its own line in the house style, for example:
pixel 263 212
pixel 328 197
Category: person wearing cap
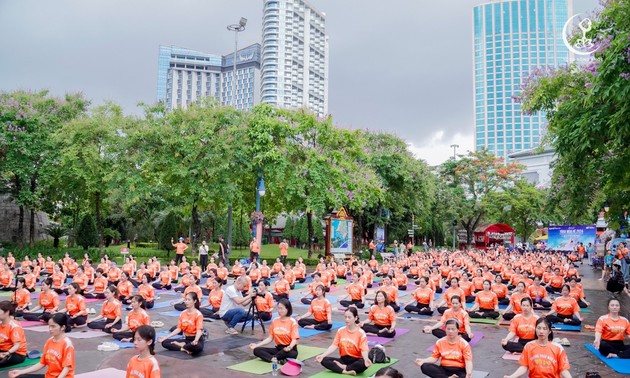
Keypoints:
pixel 179 250
pixel 292 368
pixel 284 332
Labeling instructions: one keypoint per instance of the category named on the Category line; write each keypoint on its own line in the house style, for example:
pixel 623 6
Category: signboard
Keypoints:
pixel 566 238
pixel 124 250
pixel 380 233
pixel 339 232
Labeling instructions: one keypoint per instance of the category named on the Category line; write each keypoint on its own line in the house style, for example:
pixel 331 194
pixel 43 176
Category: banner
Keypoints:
pixel 341 236
pixel 566 238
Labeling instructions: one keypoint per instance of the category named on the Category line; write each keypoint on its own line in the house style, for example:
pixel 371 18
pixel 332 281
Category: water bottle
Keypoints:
pixel 274 366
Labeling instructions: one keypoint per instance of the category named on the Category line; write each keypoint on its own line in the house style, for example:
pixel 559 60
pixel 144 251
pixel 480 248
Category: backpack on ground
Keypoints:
pixel 377 354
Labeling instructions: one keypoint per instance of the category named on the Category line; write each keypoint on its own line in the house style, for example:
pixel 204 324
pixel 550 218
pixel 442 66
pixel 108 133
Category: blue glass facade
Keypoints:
pixel 511 38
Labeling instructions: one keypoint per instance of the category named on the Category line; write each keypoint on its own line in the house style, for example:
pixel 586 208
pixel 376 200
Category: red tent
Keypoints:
pixel 495 233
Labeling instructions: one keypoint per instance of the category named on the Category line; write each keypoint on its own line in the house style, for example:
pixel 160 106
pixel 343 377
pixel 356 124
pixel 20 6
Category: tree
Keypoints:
pixel 55 231
pixel 168 231
pixel 288 229
pixel 87 235
pixel 587 107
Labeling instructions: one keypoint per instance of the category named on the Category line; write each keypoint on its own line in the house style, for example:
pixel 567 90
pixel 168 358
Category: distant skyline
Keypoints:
pixel 409 73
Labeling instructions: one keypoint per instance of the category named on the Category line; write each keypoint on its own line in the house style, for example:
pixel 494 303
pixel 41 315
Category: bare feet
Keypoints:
pixel 179 344
pixel 310 326
pixel 350 372
pixel 342 366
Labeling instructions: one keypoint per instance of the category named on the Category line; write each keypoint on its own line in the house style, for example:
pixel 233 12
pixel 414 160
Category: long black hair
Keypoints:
pixel 147 333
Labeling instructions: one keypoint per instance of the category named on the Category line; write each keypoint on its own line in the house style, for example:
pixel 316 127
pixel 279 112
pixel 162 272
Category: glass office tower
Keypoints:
pixel 511 38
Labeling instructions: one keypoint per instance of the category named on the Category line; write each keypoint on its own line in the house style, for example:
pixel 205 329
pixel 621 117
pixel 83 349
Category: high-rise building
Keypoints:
pixel 294 56
pixel 512 38
pixel 186 76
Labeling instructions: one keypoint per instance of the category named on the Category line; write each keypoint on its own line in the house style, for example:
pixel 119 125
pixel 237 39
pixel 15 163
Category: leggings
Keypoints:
pixel 265 316
pixel 277 297
pixel 101 323
pixel 509 315
pixel 210 313
pixel 320 326
pixel 352 364
pixel 123 335
pixel 439 333
pixel 38 316
pixel 158 285
pixel 617 347
pixel 378 330
pixel 543 303
pixel 504 301
pixel 180 306
pixel 560 319
pixel 306 301
pixel 355 302
pixel 266 354
pixel 491 314
pixel 516 347
pixel 94 295
pixel 13 360
pixel 437 371
pixel 78 321
pixel 420 308
pixel 194 350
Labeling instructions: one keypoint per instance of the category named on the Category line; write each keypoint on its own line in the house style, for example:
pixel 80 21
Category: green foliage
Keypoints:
pixel 55 231
pixel 318 232
pixel 288 228
pixel 167 231
pixel 87 235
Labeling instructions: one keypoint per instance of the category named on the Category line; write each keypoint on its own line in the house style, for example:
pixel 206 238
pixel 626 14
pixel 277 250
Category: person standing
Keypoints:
pixel 203 254
pixel 254 250
pixel 371 248
pixel 179 250
pixel 284 251
pixel 224 252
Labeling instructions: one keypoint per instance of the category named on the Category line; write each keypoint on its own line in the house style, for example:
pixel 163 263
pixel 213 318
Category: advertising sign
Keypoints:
pixel 566 238
pixel 341 236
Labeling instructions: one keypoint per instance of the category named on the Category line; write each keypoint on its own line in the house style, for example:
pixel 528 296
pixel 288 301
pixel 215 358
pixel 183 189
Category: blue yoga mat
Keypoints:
pixel 161 305
pixel 566 327
pixel 305 332
pixel 173 313
pixel 123 345
pixel 621 366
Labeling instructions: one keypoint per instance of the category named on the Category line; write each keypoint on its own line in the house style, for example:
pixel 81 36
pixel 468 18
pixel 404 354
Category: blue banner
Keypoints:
pixel 566 238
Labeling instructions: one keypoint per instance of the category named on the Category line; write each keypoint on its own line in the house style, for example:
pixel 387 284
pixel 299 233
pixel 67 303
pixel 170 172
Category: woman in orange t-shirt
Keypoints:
pixel 281 287
pixel 381 318
pixel 565 309
pixel 48 301
pixel 111 313
pixel 215 296
pixel 610 332
pixel 352 343
pixel 264 301
pixel 423 296
pixel 100 284
pixel 453 352
pixel 12 339
pixel 191 326
pixel 355 291
pixel 312 287
pixel 21 297
pixel 456 312
pixel 577 293
pixel 125 288
pixel 514 308
pixel 486 303
pixel 146 291
pixel 391 291
pixel 284 332
pixel 75 306
pixel 321 309
pixel 136 318
pixel 144 365
pixel 165 280
pixel 58 353
pixel 542 357
pixel 453 290
pixel 522 326
pixel 500 289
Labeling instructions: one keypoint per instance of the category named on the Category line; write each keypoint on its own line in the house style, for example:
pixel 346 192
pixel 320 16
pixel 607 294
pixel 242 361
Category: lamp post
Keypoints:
pixel 260 192
pixel 236 28
pixel 454 147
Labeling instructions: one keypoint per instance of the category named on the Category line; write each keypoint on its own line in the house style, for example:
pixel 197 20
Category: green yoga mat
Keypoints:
pixel 368 373
pixel 258 366
pixel 484 321
pixel 27 362
pixel 586 310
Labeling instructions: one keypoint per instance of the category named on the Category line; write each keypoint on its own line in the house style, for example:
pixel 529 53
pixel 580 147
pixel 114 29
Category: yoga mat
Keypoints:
pixel 504 322
pixel 30 323
pixel 621 366
pixel 565 327
pixel 88 334
pixel 383 340
pixel 25 363
pixel 477 336
pixel 501 307
pixel 213 346
pixel 103 373
pixel 92 300
pixel 484 320
pixel 586 310
pixel 511 356
pixel 123 345
pixel 39 328
pixel 260 367
pixel 157 305
pixel 306 332
pixel 368 373
pixel 173 313
pixel 409 315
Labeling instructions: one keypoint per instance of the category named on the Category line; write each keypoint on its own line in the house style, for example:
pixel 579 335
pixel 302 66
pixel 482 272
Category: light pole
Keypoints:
pixel 454 147
pixel 236 28
pixel 260 192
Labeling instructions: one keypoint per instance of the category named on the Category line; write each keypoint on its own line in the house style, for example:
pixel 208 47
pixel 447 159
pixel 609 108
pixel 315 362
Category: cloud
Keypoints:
pixel 438 149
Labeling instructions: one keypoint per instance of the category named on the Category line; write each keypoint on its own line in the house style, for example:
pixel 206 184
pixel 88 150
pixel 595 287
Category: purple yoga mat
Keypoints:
pixel 477 336
pixel 103 373
pixel 30 323
pixel 382 340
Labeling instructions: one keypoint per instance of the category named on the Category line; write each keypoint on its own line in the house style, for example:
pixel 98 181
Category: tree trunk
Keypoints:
pixel 31 238
pixel 309 225
pixel 20 233
pixel 99 223
pixel 196 225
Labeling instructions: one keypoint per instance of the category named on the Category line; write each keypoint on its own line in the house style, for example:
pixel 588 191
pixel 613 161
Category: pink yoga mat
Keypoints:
pixel 382 340
pixel 511 357
pixel 103 373
pixel 477 336
pixel 30 323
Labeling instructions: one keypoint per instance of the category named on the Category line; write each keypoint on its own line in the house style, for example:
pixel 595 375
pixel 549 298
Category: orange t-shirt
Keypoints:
pixel 147 368
pixel 461 316
pixel 125 289
pixel 215 297
pixel 58 280
pixel 524 328
pixel 81 280
pixel 194 289
pixel 237 270
pixel 136 319
pixel 284 331
pixel 341 271
pixel 180 248
pixel 450 292
pixel 147 292
pixel 576 293
pixel 48 300
pixel 174 272
pixel 76 305
pixel 351 344
pixel 22 297
pixel 515 301
pixel 165 277
pixel 556 282
pixel 544 361
pixel 12 334
pixel 612 329
pixel 263 304
pixel 58 355
pixel 265 271
pixel 113 274
pixel 321 309
pixel 486 301
pixel 452 355
pixel 423 296
pixel 355 290
pixel 382 316
pixel 281 286
pixel 112 309
pixel 222 273
pixel 190 323
pixel 537 292
pixel 565 306
pixel 100 284
pixel 392 293
pixel 284 249
pixel 30 280
pixel 500 290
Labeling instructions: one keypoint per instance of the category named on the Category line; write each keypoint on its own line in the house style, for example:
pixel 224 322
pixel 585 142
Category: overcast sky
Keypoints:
pixel 403 66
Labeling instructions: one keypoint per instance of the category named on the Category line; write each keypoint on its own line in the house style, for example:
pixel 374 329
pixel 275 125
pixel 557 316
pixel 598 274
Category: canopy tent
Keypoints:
pixel 498 233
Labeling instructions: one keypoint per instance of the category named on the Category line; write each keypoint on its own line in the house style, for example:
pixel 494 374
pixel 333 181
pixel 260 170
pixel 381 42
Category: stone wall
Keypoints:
pixel 9 216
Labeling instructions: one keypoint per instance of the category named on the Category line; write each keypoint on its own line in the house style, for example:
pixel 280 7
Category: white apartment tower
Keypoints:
pixel 294 61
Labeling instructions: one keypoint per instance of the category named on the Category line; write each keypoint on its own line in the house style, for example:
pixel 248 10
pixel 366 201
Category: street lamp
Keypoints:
pixel 260 192
pixel 454 147
pixel 606 206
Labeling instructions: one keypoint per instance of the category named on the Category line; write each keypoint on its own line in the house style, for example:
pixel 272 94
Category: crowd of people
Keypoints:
pixel 441 283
